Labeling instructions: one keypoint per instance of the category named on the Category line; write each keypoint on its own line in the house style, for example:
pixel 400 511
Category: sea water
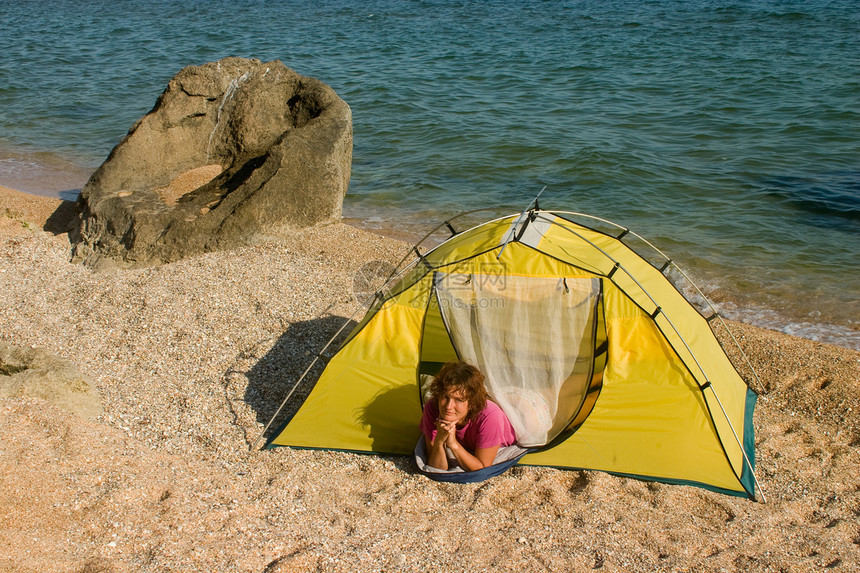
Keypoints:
pixel 726 133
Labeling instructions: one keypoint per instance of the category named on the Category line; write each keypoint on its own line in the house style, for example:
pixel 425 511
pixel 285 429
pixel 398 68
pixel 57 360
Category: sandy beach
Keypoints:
pixel 192 358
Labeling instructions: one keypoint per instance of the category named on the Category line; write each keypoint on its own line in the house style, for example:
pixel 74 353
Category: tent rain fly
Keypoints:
pixel 597 358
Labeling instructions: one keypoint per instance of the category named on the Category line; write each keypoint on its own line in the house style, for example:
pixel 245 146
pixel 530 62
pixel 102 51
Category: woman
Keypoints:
pixel 460 417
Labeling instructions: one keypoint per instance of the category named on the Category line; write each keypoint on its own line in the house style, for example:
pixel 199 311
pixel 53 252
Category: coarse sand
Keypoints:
pixel 193 357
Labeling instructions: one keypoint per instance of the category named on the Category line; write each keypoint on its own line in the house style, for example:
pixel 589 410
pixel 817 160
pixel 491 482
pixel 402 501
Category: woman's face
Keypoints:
pixel 453 406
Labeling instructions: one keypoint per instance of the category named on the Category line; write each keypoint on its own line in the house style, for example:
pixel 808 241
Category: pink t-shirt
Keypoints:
pixel 489 428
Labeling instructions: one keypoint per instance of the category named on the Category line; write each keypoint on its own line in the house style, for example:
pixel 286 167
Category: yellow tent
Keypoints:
pixel 598 359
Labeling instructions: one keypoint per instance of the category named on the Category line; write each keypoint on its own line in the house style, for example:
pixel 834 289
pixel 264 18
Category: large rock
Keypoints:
pixel 37 373
pixel 234 152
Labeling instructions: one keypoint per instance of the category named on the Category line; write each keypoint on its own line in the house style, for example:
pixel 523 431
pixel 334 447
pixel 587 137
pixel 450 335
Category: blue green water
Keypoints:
pixel 727 133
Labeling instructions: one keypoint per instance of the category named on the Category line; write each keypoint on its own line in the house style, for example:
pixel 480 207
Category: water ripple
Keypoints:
pixel 727 130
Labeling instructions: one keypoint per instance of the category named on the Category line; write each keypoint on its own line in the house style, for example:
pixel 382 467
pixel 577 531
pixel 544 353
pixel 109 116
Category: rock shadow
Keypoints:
pixel 272 378
pixel 63 218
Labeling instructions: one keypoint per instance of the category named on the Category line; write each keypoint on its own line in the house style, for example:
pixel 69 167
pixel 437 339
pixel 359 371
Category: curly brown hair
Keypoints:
pixel 457 375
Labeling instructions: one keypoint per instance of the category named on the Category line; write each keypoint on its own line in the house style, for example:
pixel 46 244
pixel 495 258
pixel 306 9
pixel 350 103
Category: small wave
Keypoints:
pixel 14 165
pixel 836 194
pixel 791 16
pixel 738 12
pixel 766 318
pixel 727 305
pixel 42 174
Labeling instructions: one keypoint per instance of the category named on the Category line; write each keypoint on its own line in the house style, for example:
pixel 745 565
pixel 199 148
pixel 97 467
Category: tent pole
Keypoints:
pixel 302 377
pixel 519 220
pixel 689 350
pixel 394 274
pixel 369 301
pixel 760 387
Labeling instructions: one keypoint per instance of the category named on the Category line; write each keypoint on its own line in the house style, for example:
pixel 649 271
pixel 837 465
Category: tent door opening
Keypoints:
pixel 535 339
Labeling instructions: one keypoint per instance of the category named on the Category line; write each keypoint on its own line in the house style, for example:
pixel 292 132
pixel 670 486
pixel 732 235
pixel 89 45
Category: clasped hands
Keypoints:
pixel 446 430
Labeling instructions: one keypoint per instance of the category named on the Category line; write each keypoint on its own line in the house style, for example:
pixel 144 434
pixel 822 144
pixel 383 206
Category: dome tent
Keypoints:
pixel 597 358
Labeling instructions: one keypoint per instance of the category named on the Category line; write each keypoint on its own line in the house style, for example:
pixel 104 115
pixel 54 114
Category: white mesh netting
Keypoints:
pixel 532 337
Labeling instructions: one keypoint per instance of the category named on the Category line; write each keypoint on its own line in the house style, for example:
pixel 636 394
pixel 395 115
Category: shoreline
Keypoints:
pixel 43 174
pixel 59 187
pixel 193 357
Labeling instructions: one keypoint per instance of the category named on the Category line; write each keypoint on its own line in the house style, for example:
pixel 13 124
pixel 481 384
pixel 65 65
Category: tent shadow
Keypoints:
pixel 272 377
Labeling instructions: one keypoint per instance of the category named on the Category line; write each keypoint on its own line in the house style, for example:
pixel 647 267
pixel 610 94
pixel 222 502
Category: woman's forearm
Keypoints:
pixel 466 460
pixel 436 456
